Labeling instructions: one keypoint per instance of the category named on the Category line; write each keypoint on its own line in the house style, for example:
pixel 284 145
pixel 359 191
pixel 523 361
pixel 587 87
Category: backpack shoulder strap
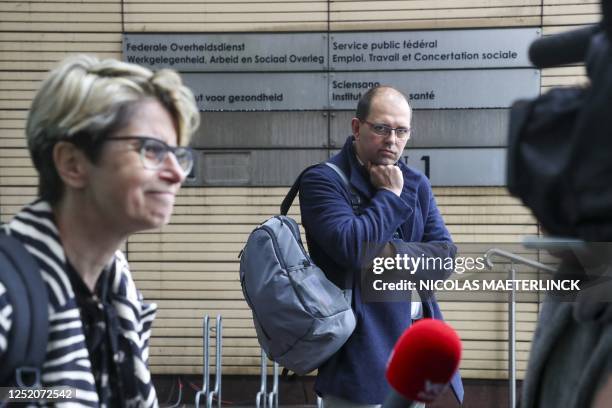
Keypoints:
pixel 26 291
pixel 355 197
pixel 292 193
pixel 339 172
pixel 356 205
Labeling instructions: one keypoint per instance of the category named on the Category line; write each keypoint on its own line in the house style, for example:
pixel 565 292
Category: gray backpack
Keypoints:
pixel 301 317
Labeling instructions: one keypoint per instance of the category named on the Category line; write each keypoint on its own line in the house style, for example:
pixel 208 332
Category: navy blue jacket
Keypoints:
pixel 338 241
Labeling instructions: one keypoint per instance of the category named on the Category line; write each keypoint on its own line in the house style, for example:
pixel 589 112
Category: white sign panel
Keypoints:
pixel 311 71
pixel 449 49
pixel 311 91
pixel 460 167
pixel 263 91
pixel 350 51
pixel 496 88
pixel 228 52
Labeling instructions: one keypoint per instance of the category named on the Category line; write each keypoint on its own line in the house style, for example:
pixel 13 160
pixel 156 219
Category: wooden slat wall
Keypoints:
pixel 189 16
pixel 189 267
pixel 424 14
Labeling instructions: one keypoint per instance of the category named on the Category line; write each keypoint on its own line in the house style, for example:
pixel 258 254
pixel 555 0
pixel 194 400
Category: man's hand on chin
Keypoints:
pixel 387 176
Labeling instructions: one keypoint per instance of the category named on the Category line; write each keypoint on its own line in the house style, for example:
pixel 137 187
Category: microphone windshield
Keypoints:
pixel 424 360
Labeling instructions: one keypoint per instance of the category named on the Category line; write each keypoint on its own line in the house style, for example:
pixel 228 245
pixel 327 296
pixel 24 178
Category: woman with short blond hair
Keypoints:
pixel 108 140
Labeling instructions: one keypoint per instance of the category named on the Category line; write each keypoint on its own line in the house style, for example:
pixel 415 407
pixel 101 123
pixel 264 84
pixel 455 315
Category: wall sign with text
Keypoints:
pixel 460 167
pixel 341 90
pixel 449 74
pixel 478 68
pixel 228 52
pixel 448 49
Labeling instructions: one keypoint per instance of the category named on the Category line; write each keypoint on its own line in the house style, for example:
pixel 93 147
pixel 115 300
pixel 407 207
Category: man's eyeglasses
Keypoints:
pixel 153 152
pixel 384 130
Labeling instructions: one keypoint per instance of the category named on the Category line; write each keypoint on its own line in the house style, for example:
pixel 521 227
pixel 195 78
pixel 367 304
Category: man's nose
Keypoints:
pixel 391 138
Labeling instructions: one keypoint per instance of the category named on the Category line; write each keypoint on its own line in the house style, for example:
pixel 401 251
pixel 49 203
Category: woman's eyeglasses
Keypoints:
pixel 153 152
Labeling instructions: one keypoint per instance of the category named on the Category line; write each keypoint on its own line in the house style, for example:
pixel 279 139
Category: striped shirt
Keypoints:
pixel 67 361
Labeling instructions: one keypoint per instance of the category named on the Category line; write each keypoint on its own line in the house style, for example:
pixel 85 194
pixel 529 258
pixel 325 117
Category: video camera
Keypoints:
pixel 560 144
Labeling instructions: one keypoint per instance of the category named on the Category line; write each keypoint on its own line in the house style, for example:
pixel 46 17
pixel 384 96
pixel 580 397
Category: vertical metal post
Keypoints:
pixel 205 391
pixel 219 356
pixel 260 398
pixel 273 395
pixel 206 357
pixel 216 392
pixel 512 312
pixel 512 341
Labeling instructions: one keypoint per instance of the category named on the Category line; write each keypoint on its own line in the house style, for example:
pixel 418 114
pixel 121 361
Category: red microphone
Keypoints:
pixel 422 363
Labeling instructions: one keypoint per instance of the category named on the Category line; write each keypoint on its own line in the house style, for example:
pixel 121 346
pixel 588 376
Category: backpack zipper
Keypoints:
pixel 277 250
pixel 298 238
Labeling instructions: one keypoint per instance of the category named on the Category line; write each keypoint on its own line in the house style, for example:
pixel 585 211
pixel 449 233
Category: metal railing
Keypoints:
pixel 514 259
pixel 265 399
pixel 216 391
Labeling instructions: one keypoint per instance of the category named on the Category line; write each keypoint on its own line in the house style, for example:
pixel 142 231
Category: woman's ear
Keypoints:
pixel 71 164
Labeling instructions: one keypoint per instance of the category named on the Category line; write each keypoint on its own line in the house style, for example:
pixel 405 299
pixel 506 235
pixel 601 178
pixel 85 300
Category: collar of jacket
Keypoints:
pixel 35 226
pixel 39 216
pixel 356 173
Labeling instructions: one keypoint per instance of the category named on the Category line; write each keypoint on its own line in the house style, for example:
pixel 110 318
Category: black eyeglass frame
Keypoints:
pixel 387 130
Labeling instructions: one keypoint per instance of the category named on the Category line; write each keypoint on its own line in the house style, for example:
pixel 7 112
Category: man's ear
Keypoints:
pixel 355 124
pixel 71 164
